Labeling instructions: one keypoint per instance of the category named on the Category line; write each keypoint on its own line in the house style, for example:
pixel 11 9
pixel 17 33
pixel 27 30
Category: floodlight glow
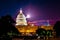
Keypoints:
pixel 28 16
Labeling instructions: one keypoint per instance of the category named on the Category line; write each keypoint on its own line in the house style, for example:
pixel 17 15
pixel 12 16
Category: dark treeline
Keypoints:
pixel 57 28
pixel 7 27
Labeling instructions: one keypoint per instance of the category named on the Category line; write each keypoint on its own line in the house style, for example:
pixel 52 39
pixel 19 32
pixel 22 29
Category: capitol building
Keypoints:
pixel 24 27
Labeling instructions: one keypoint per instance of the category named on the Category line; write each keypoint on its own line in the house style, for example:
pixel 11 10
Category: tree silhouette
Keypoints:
pixel 57 28
pixel 49 33
pixel 41 31
pixel 7 27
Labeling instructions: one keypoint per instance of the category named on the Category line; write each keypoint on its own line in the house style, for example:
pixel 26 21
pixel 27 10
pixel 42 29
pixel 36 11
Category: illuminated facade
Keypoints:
pixel 27 29
pixel 21 19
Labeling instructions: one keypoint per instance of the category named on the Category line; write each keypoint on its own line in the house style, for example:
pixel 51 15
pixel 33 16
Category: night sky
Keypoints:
pixel 38 9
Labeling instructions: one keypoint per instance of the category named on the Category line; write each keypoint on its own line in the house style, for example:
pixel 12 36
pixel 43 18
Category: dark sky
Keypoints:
pixel 38 9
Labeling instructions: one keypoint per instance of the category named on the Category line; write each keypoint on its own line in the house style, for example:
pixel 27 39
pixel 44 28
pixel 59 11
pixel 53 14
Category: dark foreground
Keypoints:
pixel 35 38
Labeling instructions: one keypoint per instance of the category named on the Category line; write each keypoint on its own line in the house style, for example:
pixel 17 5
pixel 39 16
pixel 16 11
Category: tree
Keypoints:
pixel 7 27
pixel 49 33
pixel 57 28
pixel 41 32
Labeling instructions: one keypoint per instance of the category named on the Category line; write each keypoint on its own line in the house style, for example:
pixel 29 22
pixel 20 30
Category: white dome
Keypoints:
pixel 21 19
